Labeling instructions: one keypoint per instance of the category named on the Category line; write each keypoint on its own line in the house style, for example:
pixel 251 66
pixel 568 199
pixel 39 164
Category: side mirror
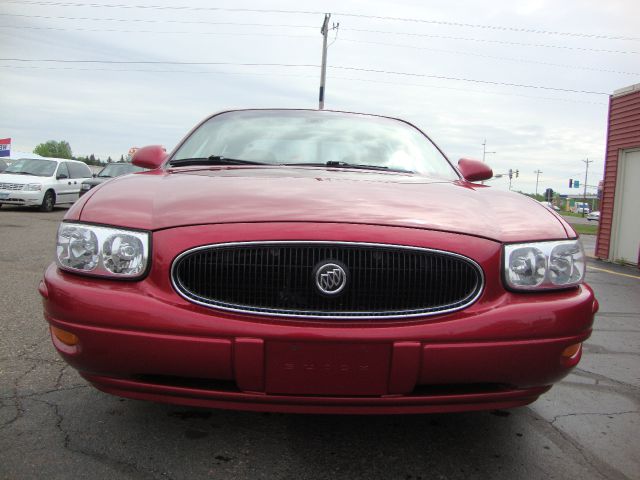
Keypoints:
pixel 149 157
pixel 474 170
pixel 94 175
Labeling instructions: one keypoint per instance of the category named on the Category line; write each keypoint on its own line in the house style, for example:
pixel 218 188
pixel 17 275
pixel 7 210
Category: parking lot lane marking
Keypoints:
pixel 613 273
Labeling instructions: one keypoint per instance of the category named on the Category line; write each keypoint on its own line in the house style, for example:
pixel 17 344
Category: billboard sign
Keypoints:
pixel 5 147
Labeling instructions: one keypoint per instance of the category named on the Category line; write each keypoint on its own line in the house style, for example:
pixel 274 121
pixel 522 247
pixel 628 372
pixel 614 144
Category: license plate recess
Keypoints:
pixel 312 368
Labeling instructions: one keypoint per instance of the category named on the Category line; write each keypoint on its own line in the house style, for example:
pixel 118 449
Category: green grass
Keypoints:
pixel 570 214
pixel 585 229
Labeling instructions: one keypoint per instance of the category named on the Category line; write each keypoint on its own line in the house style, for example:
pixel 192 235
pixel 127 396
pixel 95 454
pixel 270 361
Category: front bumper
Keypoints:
pixel 141 340
pixel 21 197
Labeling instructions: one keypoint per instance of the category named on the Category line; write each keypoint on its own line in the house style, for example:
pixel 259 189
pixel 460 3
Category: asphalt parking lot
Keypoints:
pixel 52 425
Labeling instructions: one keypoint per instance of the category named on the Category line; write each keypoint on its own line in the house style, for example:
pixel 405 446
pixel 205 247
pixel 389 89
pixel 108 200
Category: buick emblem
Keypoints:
pixel 331 278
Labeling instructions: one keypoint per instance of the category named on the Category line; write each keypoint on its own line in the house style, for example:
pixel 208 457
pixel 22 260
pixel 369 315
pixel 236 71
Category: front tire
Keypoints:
pixel 48 202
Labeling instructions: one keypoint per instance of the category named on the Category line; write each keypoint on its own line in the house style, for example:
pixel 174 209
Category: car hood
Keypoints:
pixel 166 199
pixel 12 178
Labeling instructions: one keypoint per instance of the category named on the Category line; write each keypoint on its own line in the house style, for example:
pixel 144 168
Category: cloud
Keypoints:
pixel 106 112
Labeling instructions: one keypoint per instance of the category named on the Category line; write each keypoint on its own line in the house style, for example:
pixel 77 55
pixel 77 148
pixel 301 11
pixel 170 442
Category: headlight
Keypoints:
pixel 33 187
pixel 105 251
pixel 85 186
pixel 544 265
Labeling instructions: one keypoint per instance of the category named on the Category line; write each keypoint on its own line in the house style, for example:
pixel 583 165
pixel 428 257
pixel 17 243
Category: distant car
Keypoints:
pixel 580 207
pixel 550 206
pixel 110 171
pixel 42 182
pixel 316 262
pixel 594 216
pixel 3 165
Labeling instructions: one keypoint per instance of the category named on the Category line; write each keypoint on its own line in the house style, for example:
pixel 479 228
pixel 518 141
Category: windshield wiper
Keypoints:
pixel 356 166
pixel 213 160
pixel 20 173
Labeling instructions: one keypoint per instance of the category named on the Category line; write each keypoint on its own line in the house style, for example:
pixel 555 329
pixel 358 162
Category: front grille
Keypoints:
pixel 11 186
pixel 281 278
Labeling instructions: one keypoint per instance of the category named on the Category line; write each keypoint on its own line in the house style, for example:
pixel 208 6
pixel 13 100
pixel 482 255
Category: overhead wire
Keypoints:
pixel 318 12
pixel 276 25
pixel 177 32
pixel 482 55
pixel 217 72
pixel 146 20
pixel 348 40
pixel 298 65
pixel 500 42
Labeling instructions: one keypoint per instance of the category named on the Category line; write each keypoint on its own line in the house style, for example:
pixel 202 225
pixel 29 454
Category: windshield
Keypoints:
pixel 117 169
pixel 32 166
pixel 311 137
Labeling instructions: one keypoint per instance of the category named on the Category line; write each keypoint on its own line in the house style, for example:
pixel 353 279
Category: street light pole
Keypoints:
pixel 586 173
pixel 484 149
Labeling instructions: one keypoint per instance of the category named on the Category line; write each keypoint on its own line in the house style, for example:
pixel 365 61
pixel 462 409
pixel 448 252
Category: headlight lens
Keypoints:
pixel 33 187
pixel 111 252
pixel 544 265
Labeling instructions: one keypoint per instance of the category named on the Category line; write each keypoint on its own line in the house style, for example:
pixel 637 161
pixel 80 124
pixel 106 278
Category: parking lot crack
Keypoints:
pixel 601 378
pixel 123 467
pixel 603 469
pixel 610 414
pixel 16 398
pixel 60 375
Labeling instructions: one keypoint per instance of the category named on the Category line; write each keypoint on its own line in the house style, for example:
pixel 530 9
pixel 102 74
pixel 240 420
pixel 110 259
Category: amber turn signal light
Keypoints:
pixel 65 337
pixel 571 350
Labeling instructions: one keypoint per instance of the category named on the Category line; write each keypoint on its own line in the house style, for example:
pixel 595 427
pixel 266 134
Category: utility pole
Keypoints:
pixel 586 173
pixel 323 72
pixel 537 172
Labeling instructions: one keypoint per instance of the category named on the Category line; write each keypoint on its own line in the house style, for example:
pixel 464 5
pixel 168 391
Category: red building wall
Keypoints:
pixel 623 132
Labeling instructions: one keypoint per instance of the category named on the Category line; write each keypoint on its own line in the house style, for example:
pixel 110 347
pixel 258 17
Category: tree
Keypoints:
pixel 54 149
pixel 109 160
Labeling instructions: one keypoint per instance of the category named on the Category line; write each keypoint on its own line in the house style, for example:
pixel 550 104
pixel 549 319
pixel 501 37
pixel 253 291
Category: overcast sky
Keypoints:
pixel 574 52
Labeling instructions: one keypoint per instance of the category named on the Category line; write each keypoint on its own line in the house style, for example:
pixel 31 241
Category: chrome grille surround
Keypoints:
pixel 190 296
pixel 11 186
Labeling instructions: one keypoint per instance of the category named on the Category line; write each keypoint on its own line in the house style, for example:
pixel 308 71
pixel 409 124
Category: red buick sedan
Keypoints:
pixel 316 262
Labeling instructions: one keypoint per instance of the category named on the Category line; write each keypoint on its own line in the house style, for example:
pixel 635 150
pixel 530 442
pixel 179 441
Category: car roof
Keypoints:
pixel 57 160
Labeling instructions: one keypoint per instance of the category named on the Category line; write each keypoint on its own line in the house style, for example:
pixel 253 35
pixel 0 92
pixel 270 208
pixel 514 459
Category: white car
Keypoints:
pixel 42 182
pixel 550 205
pixel 594 216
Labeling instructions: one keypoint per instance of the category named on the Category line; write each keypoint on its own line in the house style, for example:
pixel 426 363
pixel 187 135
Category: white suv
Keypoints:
pixel 42 182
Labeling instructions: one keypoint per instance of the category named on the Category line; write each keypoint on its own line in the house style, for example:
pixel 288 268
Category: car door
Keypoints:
pixel 79 173
pixel 63 184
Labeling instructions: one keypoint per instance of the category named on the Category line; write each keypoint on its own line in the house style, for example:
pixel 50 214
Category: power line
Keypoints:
pixel 495 57
pixel 500 42
pixel 488 82
pixel 317 12
pixel 362 30
pixel 296 65
pixel 141 20
pixel 218 72
pixel 177 32
pixel 510 94
pixel 155 62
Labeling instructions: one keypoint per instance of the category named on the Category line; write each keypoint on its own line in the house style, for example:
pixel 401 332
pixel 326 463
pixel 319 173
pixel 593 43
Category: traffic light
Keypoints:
pixel 510 174
pixel 548 195
pixel 570 183
pixel 517 173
